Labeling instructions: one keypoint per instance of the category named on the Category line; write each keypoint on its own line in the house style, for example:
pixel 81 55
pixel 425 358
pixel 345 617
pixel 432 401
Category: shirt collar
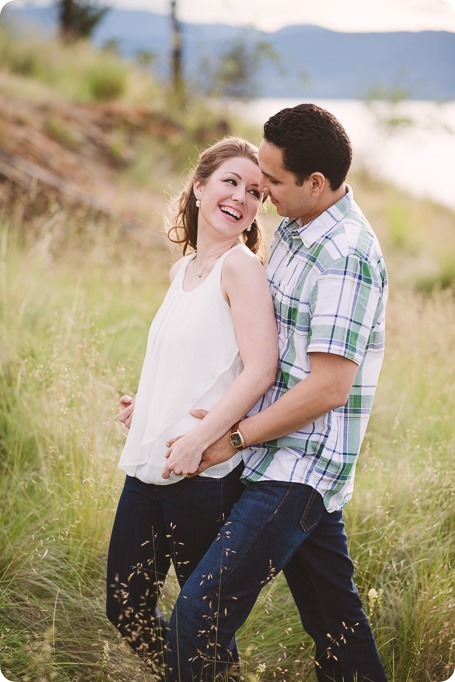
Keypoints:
pixel 317 228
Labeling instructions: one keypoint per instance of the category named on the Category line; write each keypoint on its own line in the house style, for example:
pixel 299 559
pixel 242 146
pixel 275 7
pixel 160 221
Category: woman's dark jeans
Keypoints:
pixel 153 526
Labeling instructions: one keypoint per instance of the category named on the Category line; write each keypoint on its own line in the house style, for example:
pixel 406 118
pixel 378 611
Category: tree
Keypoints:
pixel 386 105
pixel 235 73
pixel 176 54
pixel 78 18
pixel 239 68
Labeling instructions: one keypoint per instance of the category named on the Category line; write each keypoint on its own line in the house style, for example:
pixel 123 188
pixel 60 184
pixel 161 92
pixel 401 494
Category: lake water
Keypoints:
pixel 418 155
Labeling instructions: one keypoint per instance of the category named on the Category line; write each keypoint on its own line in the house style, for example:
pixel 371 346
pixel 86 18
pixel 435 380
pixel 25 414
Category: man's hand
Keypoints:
pixel 126 410
pixel 220 451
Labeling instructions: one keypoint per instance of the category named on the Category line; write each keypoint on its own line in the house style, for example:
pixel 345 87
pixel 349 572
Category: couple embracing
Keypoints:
pixel 253 401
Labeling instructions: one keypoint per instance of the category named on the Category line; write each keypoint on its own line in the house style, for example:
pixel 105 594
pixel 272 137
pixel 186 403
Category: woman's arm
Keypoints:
pixel 245 286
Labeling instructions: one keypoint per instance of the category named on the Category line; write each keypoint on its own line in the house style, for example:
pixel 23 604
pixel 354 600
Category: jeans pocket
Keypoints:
pixel 313 511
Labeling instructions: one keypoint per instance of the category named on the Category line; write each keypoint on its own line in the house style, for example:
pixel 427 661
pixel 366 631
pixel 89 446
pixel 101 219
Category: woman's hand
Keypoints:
pixel 126 410
pixel 183 456
pixel 220 451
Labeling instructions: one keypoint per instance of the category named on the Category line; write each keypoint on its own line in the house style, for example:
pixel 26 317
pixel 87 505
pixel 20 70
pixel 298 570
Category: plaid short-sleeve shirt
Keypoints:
pixel 329 284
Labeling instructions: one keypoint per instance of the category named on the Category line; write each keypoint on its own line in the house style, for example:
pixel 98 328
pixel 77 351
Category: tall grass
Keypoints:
pixel 61 373
pixel 72 337
pixel 77 293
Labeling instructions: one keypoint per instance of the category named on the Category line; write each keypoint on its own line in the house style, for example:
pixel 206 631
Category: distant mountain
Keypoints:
pixel 312 61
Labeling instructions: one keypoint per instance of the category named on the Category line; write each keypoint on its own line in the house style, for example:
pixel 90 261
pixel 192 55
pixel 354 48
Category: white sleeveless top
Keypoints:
pixel 192 358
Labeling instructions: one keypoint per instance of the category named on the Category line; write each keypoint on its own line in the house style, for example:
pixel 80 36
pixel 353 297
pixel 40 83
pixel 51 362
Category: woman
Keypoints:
pixel 212 345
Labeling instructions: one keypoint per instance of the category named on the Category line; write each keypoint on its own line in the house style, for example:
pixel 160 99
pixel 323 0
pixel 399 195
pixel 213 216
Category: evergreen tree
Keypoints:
pixel 78 18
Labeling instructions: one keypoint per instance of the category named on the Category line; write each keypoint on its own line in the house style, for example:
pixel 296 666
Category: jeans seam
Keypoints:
pixel 220 507
pixel 288 490
pixel 309 504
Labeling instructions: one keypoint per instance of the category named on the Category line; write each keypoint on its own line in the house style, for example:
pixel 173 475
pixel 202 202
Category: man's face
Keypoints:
pixel 289 198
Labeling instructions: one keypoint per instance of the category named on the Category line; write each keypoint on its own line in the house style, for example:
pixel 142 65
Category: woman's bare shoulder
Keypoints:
pixel 243 271
pixel 240 260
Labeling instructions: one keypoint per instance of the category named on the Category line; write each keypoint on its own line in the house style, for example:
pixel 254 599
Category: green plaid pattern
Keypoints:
pixel 329 285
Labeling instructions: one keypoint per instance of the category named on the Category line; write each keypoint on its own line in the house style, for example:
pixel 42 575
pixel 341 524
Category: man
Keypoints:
pixel 300 443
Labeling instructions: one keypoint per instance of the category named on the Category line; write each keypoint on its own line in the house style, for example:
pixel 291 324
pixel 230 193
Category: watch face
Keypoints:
pixel 236 440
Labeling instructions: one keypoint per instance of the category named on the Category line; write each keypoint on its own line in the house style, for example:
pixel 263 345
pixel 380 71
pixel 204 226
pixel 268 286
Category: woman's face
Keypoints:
pixel 230 198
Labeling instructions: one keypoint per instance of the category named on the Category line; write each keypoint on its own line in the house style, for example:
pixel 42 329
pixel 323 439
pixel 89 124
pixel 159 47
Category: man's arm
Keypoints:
pixel 326 388
pixel 343 305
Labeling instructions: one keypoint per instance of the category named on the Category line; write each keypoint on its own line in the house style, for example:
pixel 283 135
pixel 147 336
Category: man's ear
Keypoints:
pixel 318 183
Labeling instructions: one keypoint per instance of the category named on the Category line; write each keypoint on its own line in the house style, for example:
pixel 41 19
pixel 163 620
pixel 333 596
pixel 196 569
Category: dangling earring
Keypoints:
pixel 198 203
pixel 248 229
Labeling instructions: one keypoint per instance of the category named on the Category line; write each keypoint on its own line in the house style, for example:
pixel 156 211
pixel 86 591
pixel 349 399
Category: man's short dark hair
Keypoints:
pixel 312 140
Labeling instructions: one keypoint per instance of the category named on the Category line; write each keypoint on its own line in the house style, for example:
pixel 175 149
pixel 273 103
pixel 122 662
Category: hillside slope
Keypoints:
pixel 77 155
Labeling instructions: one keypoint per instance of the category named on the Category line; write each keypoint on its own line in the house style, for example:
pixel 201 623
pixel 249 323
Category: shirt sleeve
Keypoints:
pixel 343 308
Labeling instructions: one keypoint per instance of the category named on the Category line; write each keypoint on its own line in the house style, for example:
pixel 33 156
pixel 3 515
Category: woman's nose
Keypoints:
pixel 239 194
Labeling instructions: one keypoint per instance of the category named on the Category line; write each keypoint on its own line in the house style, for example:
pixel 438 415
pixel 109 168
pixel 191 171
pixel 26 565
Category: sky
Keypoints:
pixel 270 15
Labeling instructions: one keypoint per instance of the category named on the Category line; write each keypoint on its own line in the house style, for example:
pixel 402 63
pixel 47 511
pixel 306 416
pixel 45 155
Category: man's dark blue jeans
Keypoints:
pixel 154 525
pixel 274 526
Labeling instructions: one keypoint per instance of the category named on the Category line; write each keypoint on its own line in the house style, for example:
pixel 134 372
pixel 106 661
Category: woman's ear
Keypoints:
pixel 197 188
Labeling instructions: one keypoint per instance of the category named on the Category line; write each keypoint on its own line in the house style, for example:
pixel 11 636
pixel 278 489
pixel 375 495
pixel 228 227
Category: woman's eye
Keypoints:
pixel 231 180
pixel 255 193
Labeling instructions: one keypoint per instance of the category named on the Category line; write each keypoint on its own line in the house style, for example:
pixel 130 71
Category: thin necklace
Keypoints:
pixel 210 260
pixel 199 274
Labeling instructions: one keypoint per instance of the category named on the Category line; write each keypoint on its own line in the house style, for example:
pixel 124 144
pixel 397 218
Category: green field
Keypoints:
pixel 76 299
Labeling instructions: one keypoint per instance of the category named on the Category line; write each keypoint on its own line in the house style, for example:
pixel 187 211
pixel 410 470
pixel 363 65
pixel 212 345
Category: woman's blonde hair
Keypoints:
pixel 183 225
